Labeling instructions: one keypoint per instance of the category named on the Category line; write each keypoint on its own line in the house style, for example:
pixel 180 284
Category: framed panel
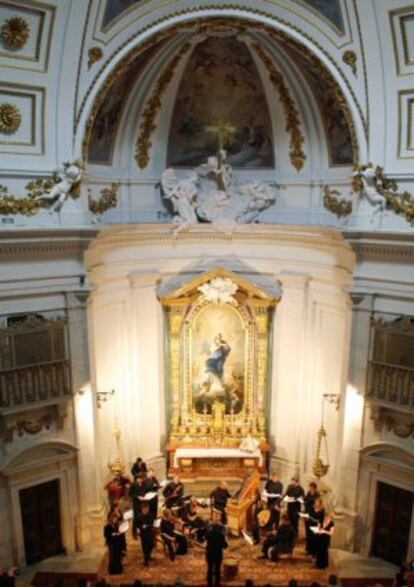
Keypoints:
pixel 402 26
pixel 29 138
pixel 406 124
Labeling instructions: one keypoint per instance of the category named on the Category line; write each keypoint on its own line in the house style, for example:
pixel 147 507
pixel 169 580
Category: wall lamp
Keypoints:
pixel 103 396
pixel 333 398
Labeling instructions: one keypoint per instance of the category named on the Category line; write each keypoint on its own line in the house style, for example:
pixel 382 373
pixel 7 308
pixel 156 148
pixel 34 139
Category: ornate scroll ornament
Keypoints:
pixel 15 32
pixel 382 193
pixel 10 118
pixel 297 155
pixel 108 199
pixel 94 54
pixel 219 290
pixel 148 126
pixel 350 58
pixel 334 204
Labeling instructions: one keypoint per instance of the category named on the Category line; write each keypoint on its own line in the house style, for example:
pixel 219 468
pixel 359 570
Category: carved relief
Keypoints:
pixel 15 32
pixel 350 58
pixel 334 203
pixel 94 54
pixel 10 118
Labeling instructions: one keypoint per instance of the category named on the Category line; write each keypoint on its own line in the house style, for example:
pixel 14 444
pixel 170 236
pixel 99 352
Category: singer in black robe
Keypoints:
pixel 216 543
pixel 136 492
pixel 297 492
pixel 275 486
pixel 113 541
pixel 145 527
pixel 152 484
pixel 323 542
pixel 312 495
pixel 219 498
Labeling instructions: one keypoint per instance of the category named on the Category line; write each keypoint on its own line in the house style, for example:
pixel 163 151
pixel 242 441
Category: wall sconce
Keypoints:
pixel 103 396
pixel 332 398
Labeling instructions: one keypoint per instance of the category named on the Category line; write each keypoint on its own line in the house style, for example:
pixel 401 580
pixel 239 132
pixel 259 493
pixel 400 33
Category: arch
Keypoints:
pixel 178 22
pixel 388 453
pixel 38 455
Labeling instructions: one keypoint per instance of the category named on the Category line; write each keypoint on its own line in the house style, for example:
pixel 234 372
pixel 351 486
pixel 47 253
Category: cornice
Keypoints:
pixel 381 244
pixel 19 242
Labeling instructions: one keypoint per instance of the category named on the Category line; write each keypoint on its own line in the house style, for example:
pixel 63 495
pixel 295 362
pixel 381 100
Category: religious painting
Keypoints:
pixel 218 359
pixel 105 125
pixel 330 9
pixel 221 83
pixel 115 8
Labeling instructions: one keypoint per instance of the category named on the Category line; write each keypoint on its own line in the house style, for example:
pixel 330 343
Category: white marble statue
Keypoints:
pixel 182 194
pixel 70 175
pixel 369 190
pixel 211 194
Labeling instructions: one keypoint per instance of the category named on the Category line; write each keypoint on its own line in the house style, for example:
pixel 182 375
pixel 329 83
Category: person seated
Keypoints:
pixel 191 520
pixel 280 542
pixel 174 540
pixel 138 468
pixel 261 519
pixel 219 498
pixel 173 493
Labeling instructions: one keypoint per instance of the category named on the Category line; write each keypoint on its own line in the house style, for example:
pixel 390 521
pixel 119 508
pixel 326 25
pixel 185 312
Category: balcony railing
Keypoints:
pixel 25 386
pixel 390 384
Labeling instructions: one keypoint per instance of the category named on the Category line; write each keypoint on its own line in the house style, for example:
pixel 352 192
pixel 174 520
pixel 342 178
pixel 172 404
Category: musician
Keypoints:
pixel 138 468
pixel 115 511
pixel 173 493
pixel 323 541
pixel 275 486
pixel 136 492
pixel 117 488
pixel 216 543
pixel 261 519
pixel 296 492
pixel 152 484
pixel 145 527
pixel 192 520
pixel 114 543
pixel 175 541
pixel 219 498
pixel 280 542
pixel 312 495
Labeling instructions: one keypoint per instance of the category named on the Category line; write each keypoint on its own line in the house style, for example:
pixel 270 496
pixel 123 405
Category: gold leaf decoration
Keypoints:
pixel 297 154
pixel 94 54
pixel 15 32
pixel 148 126
pixel 10 204
pixel 108 199
pixel 10 118
pixel 334 203
pixel 350 58
pixel 401 203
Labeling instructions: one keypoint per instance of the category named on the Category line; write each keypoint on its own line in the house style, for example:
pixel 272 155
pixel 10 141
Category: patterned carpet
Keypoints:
pixel 191 569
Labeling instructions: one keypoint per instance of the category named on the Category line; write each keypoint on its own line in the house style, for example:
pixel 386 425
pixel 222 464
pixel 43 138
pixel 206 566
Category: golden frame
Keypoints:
pixel 254 309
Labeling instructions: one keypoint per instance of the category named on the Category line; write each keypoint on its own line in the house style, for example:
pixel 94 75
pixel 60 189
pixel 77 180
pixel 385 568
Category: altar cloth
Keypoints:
pixel 219 453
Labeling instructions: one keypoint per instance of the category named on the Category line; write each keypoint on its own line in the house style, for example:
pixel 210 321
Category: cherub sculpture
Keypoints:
pixel 367 177
pixel 70 177
pixel 182 195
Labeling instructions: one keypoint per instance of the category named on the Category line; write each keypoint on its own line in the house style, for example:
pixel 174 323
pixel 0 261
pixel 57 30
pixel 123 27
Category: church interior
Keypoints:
pixel 206 293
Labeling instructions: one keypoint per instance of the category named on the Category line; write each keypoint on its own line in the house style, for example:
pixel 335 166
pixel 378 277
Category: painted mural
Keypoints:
pixel 330 9
pixel 105 126
pixel 218 359
pixel 221 83
pixel 115 8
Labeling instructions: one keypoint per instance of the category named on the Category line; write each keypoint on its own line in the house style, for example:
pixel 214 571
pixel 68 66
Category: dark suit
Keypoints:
pixel 216 543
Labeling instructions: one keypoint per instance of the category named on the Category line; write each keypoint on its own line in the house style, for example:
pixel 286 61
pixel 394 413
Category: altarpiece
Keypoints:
pixel 219 330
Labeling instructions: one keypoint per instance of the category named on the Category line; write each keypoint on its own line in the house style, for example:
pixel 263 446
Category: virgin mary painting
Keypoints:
pixel 217 364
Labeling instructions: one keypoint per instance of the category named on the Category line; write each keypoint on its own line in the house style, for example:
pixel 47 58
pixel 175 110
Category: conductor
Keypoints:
pixel 216 543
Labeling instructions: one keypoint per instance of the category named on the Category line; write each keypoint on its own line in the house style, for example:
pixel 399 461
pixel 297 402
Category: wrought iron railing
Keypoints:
pixel 25 386
pixel 390 384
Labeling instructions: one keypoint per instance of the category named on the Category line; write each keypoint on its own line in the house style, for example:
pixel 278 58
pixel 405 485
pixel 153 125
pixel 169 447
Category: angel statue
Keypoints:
pixel 182 195
pixel 70 176
pixel 260 196
pixel 368 180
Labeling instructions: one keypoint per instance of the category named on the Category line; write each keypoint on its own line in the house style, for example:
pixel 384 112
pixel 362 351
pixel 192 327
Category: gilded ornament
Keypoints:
pixel 10 118
pixel 401 203
pixel 15 32
pixel 108 199
pixel 297 155
pixel 148 126
pixel 94 54
pixel 334 204
pixel 350 58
